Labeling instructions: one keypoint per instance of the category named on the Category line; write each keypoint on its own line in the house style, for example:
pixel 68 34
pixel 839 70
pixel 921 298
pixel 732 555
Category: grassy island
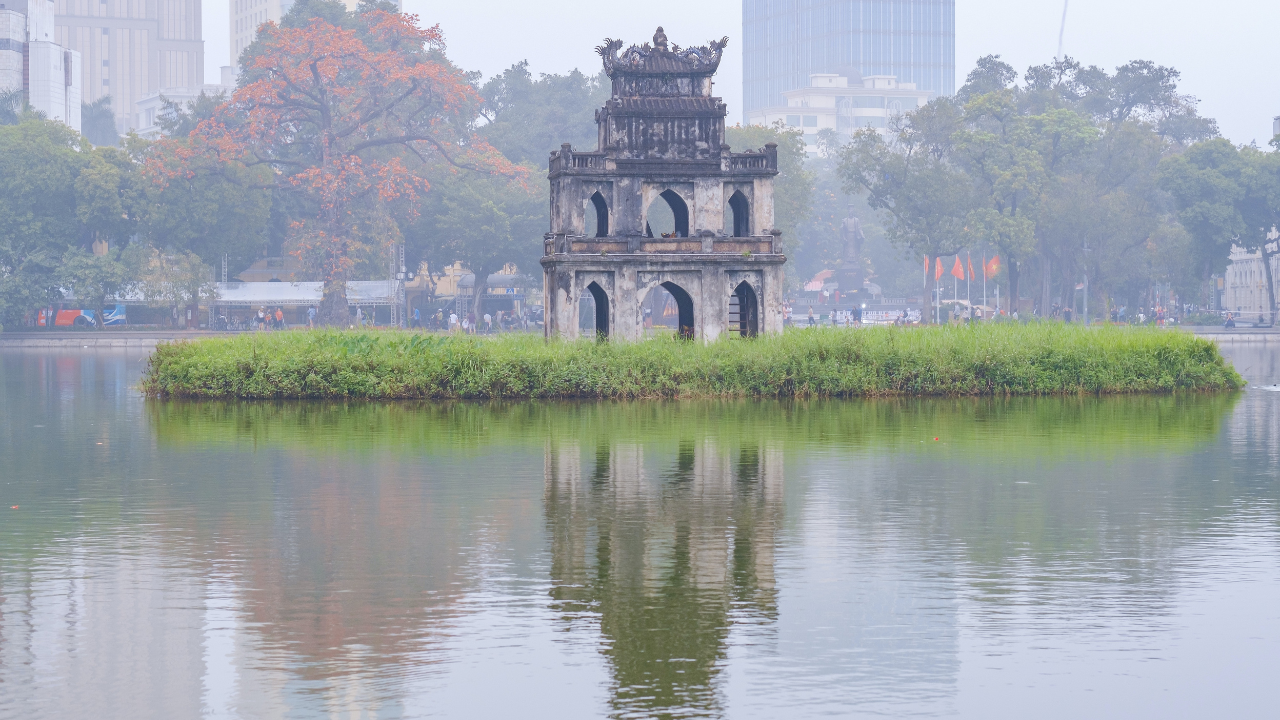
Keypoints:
pixel 997 359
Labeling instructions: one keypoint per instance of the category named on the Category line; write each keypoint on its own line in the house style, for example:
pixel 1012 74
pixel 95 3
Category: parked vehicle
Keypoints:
pixel 112 315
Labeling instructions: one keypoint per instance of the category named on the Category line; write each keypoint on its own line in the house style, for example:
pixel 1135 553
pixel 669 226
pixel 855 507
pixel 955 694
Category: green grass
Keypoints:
pixel 1005 359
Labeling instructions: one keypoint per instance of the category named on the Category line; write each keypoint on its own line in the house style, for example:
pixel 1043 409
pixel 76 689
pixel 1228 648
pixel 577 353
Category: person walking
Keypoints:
pixel 812 323
pixel 453 321
pixel 488 323
pixel 359 316
pixel 417 319
pixel 262 318
pixel 280 318
pixel 311 317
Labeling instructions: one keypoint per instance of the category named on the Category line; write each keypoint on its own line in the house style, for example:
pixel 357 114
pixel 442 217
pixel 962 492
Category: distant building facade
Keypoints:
pixel 842 104
pixel 248 15
pixel 31 59
pixel 786 43
pixel 1244 290
pixel 150 109
pixel 133 49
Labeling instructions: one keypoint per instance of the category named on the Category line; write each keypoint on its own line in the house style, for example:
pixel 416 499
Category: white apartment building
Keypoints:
pixel 842 103
pixel 1244 286
pixel 133 48
pixel 31 59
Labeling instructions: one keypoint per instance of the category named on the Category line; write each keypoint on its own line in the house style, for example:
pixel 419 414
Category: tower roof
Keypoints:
pixel 662 69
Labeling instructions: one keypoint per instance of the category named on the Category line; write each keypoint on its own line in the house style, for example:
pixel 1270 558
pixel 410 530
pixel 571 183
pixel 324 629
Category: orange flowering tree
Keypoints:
pixel 352 121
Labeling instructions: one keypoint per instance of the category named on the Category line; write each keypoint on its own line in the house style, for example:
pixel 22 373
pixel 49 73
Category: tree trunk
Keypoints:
pixel 478 287
pixel 1045 282
pixel 926 304
pixel 334 310
pixel 1271 284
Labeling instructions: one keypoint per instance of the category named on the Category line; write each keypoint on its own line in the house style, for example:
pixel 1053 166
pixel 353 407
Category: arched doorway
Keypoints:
pixel 679 216
pixel 684 304
pixel 748 309
pixel 602 215
pixel 602 310
pixel 741 214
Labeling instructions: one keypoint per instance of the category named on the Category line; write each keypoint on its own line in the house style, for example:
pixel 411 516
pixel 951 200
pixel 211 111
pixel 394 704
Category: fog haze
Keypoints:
pixel 1221 48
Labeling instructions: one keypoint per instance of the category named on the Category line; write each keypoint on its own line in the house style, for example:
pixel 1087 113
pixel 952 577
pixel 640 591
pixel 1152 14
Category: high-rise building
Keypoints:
pixel 247 15
pixel 133 49
pixel 785 42
pixel 31 59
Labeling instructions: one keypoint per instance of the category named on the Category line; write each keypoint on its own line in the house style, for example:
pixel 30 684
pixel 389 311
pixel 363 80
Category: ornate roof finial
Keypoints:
pixel 660 40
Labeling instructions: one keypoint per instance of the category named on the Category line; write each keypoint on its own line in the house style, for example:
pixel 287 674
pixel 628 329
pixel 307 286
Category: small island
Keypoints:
pixel 975 360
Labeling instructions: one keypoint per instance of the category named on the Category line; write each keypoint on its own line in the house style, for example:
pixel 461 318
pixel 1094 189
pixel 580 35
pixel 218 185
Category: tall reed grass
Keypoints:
pixel 1004 359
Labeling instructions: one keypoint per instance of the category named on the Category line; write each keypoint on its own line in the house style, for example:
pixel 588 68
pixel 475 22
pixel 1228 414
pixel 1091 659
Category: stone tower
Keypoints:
pixel 662 151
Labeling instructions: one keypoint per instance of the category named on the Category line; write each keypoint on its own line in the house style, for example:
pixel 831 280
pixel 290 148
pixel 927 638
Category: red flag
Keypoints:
pixel 958 270
pixel 993 266
pixel 969 260
pixel 937 273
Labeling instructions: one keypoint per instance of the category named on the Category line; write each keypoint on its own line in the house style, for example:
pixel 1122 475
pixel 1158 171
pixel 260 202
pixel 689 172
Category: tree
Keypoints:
pixel 912 177
pixel 98 122
pixel 793 187
pixel 483 220
pixel 351 119
pixel 174 280
pixel 95 278
pixel 39 163
pixel 203 205
pixel 527 118
pixel 109 196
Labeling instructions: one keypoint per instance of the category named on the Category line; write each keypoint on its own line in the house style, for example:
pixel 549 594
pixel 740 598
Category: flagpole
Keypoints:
pixel 968 277
pixel 984 278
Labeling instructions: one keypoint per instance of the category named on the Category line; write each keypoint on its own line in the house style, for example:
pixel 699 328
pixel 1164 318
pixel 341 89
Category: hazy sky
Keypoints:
pixel 1225 49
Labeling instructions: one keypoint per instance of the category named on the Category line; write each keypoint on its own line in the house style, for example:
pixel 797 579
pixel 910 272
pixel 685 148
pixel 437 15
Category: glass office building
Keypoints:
pixel 786 41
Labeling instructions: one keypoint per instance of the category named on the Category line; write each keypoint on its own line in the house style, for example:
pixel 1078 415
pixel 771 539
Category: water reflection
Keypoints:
pixel 733 559
pixel 662 555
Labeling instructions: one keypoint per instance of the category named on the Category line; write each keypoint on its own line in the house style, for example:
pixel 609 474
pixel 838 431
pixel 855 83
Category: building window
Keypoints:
pixel 105 31
pixel 105 82
pixel 793 120
pixel 811 121
pixel 106 63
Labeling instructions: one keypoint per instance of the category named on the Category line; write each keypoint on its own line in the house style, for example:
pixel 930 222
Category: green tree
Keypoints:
pixel 912 176
pixel 525 119
pixel 95 278
pixel 485 221
pixel 98 122
pixel 793 187
pixel 109 195
pixel 204 206
pixel 39 163
pixel 173 279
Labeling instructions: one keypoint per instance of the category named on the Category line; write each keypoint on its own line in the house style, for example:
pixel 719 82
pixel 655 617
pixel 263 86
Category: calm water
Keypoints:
pixel 1045 558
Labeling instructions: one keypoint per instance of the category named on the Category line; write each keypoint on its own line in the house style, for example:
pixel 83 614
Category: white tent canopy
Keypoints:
pixel 254 294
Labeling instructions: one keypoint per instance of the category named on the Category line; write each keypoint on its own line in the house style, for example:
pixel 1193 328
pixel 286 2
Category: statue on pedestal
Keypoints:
pixel 850 275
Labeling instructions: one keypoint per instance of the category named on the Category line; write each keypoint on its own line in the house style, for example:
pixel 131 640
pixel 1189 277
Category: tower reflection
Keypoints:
pixel 664 549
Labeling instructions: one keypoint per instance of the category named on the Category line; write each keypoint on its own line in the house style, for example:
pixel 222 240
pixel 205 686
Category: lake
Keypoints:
pixel 993 558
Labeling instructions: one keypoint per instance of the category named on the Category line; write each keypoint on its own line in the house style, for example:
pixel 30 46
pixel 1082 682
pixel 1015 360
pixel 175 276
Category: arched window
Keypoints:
pixel 601 209
pixel 684 304
pixel 741 214
pixel 746 307
pixel 679 216
pixel 602 310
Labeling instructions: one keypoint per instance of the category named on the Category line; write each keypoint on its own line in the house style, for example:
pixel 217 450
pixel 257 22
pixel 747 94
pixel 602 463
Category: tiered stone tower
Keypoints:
pixel 661 140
